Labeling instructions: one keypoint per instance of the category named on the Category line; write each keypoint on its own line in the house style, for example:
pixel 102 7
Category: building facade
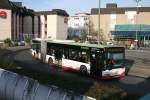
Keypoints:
pixel 51 24
pixel 5 20
pixel 78 23
pixel 18 22
pixel 5 28
pixel 15 20
pixel 126 18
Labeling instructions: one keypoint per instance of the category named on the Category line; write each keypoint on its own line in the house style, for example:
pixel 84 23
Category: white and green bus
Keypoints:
pixel 104 62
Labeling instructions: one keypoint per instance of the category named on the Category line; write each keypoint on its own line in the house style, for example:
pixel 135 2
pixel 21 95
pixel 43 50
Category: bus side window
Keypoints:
pixel 73 54
pixel 50 51
pixel 38 48
pixel 83 56
pixel 58 53
pixel 65 53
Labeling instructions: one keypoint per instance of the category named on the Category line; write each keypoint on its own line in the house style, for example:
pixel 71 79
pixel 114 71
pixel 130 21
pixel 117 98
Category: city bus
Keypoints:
pixel 99 61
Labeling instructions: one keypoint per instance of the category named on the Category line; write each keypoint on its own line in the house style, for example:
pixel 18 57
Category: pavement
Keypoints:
pixel 12 50
pixel 139 63
pixel 3 51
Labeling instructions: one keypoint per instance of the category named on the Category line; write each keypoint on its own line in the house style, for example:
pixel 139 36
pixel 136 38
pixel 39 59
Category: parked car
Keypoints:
pixel 109 43
pixel 21 43
pixel 18 43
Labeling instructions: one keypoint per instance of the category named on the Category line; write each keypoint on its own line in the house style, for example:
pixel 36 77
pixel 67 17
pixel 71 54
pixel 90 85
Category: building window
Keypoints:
pixel 112 21
pixel 76 18
pixel 131 16
pixel 45 17
pixel 45 25
pixel 131 21
pixel 85 24
pixel 76 24
pixel 85 18
pixel 65 20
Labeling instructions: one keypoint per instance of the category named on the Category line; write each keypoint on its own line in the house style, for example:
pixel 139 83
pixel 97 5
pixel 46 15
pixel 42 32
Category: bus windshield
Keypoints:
pixel 115 59
pixel 116 56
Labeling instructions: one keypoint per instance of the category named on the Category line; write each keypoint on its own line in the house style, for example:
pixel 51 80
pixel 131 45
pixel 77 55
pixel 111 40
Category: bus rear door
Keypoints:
pixel 97 63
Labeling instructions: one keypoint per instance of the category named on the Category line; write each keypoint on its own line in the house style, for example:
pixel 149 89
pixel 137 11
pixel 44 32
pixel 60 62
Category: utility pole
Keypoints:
pixel 136 40
pixel 99 22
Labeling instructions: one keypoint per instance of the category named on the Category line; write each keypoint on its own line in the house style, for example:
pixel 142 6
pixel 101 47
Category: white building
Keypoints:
pixel 5 24
pixel 77 23
pixel 5 20
pixel 51 24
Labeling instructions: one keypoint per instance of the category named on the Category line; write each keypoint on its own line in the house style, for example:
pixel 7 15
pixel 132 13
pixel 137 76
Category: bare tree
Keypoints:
pixel 83 34
pixel 95 34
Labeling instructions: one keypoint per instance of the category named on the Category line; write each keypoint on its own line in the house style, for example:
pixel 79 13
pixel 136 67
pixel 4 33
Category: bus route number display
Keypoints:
pixel 115 49
pixel 84 48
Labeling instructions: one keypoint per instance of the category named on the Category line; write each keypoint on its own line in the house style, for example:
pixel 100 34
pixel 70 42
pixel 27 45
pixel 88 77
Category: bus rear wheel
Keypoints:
pixel 83 70
pixel 50 62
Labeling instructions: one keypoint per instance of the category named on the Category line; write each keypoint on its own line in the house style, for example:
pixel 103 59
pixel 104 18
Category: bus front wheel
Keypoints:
pixel 34 54
pixel 50 62
pixel 83 70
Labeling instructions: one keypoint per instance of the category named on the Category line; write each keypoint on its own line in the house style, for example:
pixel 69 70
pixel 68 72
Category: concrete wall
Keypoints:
pixel 104 24
pixel 14 32
pixel 27 25
pixel 17 24
pixel 17 31
pixel 143 18
pixel 5 25
pixel 122 19
pixel 36 25
pixel 56 28
pixel 61 28
pixel 52 26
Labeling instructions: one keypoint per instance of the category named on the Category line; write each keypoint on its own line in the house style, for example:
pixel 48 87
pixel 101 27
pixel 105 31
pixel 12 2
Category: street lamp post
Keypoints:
pixel 137 4
pixel 99 22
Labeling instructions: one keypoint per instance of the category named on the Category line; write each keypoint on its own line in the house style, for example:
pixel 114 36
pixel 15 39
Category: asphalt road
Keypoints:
pixel 138 63
pixel 131 83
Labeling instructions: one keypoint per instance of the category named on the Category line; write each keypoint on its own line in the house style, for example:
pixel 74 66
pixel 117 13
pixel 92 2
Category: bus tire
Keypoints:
pixel 83 70
pixel 50 62
pixel 35 56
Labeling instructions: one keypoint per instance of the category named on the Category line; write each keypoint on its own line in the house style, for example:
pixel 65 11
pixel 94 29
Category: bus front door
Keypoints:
pixel 58 57
pixel 97 63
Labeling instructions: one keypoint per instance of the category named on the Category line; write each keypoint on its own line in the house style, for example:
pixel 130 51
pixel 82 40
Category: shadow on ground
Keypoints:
pixel 129 64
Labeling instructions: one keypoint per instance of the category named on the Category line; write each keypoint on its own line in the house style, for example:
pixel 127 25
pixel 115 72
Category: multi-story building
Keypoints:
pixel 122 23
pixel 5 20
pixel 78 23
pixel 17 21
pixel 51 24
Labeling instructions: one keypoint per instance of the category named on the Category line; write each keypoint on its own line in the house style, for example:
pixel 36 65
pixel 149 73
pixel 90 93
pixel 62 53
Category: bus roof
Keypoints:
pixel 66 42
pixel 73 43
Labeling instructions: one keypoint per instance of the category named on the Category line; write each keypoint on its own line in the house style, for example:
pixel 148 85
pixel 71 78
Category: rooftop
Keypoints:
pixel 53 12
pixel 5 4
pixel 112 8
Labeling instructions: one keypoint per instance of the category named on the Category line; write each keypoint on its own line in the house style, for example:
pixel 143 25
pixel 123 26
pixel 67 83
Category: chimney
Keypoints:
pixel 111 5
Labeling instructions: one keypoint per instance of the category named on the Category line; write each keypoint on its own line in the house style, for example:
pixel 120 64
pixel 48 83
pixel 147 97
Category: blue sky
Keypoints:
pixel 73 6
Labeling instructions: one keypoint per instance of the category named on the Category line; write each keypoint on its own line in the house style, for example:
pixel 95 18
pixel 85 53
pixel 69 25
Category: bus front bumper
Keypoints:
pixel 107 77
pixel 114 73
